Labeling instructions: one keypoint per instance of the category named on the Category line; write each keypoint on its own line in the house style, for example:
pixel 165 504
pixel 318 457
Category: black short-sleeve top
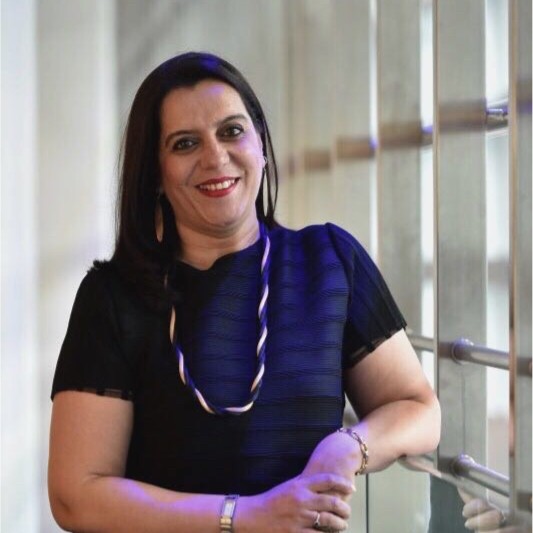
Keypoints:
pixel 328 308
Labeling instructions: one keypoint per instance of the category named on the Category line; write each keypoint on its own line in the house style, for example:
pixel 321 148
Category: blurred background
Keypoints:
pixel 407 122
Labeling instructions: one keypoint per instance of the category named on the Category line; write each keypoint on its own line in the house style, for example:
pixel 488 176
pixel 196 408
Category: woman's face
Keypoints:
pixel 211 158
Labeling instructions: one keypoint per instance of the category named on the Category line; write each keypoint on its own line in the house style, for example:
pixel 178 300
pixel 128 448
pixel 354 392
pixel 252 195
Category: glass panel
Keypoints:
pixel 498 298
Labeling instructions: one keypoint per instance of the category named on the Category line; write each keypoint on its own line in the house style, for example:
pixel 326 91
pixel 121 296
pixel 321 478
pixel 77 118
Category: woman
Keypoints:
pixel 209 358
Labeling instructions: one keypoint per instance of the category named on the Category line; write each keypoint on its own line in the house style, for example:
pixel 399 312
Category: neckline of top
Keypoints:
pixel 251 249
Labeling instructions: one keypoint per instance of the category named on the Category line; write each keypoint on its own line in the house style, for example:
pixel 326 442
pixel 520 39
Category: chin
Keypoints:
pixel 228 221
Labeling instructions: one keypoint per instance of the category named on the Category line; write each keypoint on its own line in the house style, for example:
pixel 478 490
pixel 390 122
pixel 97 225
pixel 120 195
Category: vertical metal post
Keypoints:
pixel 354 153
pixel 399 227
pixel 398 162
pixel 520 268
pixel 460 255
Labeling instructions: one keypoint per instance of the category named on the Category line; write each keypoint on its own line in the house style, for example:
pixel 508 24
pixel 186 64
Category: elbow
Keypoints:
pixel 434 424
pixel 72 504
pixel 66 508
pixel 61 512
pixel 428 425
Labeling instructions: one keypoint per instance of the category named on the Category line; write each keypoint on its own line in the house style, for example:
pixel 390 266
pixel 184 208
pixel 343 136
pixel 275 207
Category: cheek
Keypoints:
pixel 250 144
pixel 253 154
pixel 172 174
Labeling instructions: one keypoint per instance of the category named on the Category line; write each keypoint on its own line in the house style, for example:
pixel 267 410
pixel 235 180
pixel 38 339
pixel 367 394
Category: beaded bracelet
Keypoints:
pixel 364 449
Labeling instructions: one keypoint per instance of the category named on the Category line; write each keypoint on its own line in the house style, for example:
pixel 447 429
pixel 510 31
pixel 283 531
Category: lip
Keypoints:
pixel 219 192
pixel 214 181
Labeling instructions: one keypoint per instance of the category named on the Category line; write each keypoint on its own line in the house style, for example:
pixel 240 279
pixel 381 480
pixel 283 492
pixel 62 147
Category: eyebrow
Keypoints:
pixel 217 124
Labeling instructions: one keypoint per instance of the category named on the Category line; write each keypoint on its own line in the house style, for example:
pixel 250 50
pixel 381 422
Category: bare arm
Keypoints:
pixel 89 442
pixel 398 411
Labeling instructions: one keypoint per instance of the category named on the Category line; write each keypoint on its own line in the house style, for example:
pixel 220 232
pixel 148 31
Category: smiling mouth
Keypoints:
pixel 218 186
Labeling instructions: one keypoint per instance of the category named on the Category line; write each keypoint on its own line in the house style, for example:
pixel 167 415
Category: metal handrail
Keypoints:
pixel 421 343
pixel 407 134
pixel 498 116
pixel 465 351
pixel 464 466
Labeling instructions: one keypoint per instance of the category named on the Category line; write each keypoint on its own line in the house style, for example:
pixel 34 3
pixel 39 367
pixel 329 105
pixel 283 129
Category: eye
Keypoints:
pixel 233 130
pixel 183 144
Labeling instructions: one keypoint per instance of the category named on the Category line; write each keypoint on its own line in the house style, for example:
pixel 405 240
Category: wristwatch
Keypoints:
pixel 227 513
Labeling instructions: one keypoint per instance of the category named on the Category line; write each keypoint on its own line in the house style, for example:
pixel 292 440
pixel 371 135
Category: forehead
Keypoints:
pixel 200 105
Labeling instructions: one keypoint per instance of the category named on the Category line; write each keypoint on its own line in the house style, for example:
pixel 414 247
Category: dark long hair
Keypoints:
pixel 141 259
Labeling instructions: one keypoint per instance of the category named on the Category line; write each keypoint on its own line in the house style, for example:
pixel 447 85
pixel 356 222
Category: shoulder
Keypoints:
pixel 94 286
pixel 317 250
pixel 101 281
pixel 103 288
pixel 100 276
pixel 311 234
pixel 319 238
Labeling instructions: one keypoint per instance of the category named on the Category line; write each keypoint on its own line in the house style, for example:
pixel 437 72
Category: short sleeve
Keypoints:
pixel 372 314
pixel 92 357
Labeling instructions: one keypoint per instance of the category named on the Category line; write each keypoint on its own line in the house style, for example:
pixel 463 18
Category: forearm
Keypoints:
pixel 399 413
pixel 119 505
pixel 404 427
pixel 112 504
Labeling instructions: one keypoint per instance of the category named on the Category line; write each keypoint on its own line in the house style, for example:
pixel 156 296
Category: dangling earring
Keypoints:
pixel 159 217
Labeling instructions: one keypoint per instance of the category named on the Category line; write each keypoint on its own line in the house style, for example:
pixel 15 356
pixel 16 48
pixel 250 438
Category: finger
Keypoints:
pixel 331 504
pixel 487 521
pixel 326 522
pixel 312 530
pixel 465 496
pixel 343 497
pixel 333 522
pixel 330 483
pixel 475 507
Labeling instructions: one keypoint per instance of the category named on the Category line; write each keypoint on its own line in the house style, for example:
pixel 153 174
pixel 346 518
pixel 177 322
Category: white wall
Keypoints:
pixel 20 363
pixel 77 162
pixel 59 147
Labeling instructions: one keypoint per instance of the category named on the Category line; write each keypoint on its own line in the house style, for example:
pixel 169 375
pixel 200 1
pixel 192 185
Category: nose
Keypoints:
pixel 214 154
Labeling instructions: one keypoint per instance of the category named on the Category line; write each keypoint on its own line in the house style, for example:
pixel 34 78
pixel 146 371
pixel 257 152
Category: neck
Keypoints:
pixel 201 250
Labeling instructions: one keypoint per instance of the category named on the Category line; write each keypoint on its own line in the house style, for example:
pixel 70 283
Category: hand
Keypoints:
pixel 483 516
pixel 294 505
pixel 336 454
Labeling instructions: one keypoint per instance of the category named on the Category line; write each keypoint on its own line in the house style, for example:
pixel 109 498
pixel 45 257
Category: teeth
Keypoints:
pixel 217 186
